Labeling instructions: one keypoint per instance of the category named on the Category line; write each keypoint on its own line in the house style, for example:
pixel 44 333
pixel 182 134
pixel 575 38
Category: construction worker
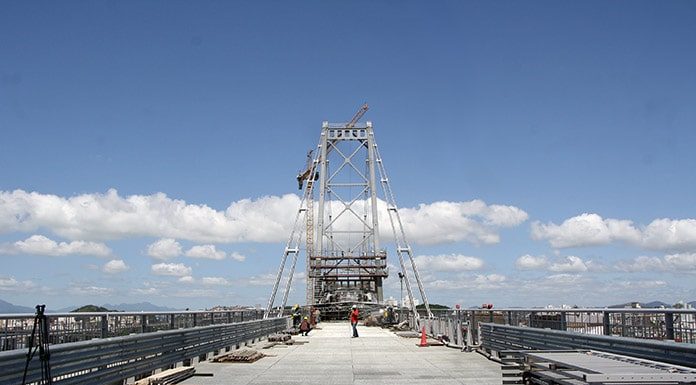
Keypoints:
pixel 354 320
pixel 305 327
pixel 296 316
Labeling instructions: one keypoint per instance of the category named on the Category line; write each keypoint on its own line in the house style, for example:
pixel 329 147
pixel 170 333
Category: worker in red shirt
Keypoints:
pixel 354 320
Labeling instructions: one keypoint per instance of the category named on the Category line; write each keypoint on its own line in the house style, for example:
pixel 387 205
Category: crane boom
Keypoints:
pixel 358 115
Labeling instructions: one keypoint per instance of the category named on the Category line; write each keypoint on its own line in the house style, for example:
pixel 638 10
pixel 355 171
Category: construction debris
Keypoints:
pixel 171 376
pixel 408 334
pixel 243 355
pixel 278 337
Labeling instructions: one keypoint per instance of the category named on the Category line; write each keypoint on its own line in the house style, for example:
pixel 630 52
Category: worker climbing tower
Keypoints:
pixel 345 260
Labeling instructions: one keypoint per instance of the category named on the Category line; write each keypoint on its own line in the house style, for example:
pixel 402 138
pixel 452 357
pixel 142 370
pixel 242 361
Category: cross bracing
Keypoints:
pixel 344 259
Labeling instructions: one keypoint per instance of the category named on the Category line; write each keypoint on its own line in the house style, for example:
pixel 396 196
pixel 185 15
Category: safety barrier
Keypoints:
pixel 497 338
pixel 15 329
pixel 112 360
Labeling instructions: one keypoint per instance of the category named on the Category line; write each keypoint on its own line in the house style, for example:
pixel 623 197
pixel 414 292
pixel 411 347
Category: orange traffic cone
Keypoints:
pixel 424 341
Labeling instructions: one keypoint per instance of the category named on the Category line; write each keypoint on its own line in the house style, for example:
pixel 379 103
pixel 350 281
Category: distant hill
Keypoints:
pixel 433 306
pixel 90 309
pixel 644 305
pixel 6 307
pixel 142 306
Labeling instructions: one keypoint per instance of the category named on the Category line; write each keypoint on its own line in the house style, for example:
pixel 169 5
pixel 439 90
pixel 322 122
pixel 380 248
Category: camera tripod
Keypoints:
pixel 41 323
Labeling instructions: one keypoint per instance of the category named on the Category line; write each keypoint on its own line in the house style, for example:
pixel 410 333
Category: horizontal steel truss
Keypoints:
pixel 104 361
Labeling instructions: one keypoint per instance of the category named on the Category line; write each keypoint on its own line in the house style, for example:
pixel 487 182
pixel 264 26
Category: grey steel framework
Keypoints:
pixel 345 262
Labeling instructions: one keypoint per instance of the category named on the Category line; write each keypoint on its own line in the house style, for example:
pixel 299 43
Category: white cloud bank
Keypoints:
pixel 451 263
pixel 592 230
pixel 266 219
pixel 172 269
pixel 681 262
pixel 165 248
pixel 569 264
pixel 41 245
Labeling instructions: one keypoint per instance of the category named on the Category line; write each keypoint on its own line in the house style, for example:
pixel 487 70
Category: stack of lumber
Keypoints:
pixel 167 377
pixel 243 355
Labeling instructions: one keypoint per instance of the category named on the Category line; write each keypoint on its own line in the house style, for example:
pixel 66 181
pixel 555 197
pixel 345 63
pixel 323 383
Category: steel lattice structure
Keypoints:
pixel 345 262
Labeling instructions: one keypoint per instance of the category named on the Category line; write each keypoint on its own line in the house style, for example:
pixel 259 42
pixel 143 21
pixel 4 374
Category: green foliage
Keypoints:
pixel 90 309
pixel 433 306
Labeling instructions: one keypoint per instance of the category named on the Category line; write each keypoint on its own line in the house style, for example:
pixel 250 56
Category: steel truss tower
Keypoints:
pixel 345 262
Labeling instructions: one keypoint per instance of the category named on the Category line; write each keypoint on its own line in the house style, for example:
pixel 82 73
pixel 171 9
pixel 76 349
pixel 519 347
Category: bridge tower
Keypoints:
pixel 346 192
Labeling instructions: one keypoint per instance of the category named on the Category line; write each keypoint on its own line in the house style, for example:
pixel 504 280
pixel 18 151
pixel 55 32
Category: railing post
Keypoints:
pixel 669 325
pixel 509 317
pixel 104 326
pixel 212 318
pixel 229 317
pixel 143 323
pixel 564 321
pixel 171 321
pixel 606 323
pixel 195 321
pixel 241 316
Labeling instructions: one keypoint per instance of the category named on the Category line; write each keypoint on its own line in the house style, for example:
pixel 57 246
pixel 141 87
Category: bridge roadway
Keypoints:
pixel 330 356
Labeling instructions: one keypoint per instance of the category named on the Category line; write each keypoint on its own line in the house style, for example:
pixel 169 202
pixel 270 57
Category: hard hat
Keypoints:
pixel 305 317
pixel 355 306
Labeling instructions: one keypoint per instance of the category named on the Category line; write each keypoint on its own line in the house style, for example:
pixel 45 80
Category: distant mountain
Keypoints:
pixel 644 305
pixel 143 306
pixel 692 303
pixel 6 307
pixel 90 309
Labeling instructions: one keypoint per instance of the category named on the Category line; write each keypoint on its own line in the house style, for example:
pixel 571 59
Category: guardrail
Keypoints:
pixel 15 329
pixel 112 360
pixel 498 338
pixel 677 325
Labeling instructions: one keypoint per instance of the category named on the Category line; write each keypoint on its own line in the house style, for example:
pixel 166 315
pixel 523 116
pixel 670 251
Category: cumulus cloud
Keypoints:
pixel 448 262
pixel 478 282
pixel 186 279
pixel 266 219
pixel 530 262
pixel 10 284
pixel 473 221
pixel 111 216
pixel 165 248
pixel 172 269
pixel 591 230
pixel 89 290
pixel 571 264
pixel 681 262
pixel 237 257
pixel 115 266
pixel 214 281
pixel 206 252
pixel 41 245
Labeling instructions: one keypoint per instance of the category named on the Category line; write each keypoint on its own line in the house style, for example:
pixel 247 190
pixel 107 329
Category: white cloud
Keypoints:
pixel 214 281
pixel 448 262
pixel 675 263
pixel 530 262
pixel 206 252
pixel 115 266
pixel 41 245
pixel 237 257
pixel 571 264
pixel 261 280
pixel 165 248
pixel 90 290
pixel 478 282
pixel 173 269
pixel 186 279
pixel 10 284
pixel 111 216
pixel 473 221
pixel 266 219
pixel 591 230
pixel 146 291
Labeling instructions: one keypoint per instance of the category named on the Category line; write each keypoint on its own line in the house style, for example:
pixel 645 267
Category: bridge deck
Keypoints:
pixel 330 356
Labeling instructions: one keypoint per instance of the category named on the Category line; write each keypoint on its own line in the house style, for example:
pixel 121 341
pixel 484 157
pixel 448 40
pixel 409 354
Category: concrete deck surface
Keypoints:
pixel 331 356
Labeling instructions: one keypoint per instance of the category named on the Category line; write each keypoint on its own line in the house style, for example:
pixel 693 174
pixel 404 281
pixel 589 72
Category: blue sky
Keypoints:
pixel 557 136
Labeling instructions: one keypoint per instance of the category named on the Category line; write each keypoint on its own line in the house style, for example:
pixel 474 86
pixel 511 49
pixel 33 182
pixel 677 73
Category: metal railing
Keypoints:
pixel 500 338
pixel 678 325
pixel 15 329
pixel 112 360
